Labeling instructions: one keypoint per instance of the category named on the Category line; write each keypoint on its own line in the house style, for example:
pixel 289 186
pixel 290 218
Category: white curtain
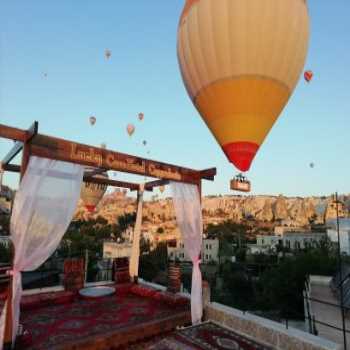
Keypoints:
pixel 188 212
pixel 135 251
pixel 43 208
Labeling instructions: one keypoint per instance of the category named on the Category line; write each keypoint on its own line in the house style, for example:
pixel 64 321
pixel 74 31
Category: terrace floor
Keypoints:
pixel 138 319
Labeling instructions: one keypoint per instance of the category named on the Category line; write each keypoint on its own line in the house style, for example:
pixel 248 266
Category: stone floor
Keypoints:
pixel 328 314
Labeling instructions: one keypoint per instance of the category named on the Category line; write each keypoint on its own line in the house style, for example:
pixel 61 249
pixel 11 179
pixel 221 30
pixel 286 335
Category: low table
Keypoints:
pixel 96 292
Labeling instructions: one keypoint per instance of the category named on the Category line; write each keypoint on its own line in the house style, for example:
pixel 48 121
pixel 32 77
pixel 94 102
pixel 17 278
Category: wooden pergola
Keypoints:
pixel 31 143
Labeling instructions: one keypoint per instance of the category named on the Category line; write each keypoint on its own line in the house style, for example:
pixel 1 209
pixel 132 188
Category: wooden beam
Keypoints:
pixel 8 132
pixel 12 168
pixel 109 182
pixel 16 148
pixel 208 174
pixel 150 185
pixel 54 148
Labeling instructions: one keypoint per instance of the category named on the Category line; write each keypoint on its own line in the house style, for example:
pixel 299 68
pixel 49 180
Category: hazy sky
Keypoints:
pixel 66 40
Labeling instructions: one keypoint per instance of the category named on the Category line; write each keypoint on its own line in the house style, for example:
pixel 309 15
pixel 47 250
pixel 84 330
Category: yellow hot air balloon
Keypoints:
pixel 92 193
pixel 240 61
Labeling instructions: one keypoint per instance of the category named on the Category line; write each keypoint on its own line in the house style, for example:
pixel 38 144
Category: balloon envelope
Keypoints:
pixel 240 61
pixel 130 129
pixel 108 54
pixel 141 116
pixel 308 75
pixel 92 193
pixel 92 120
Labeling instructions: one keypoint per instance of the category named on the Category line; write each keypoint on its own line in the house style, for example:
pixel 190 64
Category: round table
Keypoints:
pixel 96 292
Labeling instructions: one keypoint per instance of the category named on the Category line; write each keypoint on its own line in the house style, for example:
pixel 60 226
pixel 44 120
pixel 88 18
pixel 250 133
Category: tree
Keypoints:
pixel 160 230
pixel 5 253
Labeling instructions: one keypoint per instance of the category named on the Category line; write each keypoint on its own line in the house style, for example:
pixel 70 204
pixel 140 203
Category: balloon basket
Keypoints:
pixel 240 183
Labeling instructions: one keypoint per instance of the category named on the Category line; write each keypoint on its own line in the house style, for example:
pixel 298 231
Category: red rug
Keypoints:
pixel 60 324
pixel 206 336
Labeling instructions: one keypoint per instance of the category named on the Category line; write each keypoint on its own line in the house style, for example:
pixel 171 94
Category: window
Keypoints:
pixel 206 246
pixel 206 256
pixel 210 246
pixel 262 242
pixel 171 254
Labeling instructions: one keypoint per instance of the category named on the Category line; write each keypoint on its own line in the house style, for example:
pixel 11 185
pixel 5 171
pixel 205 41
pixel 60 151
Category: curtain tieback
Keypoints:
pixel 197 261
pixel 12 272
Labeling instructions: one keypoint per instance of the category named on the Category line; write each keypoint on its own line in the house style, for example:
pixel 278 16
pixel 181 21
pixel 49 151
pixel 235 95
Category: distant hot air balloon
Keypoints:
pixel 130 129
pixel 144 142
pixel 240 61
pixel 161 189
pixel 45 75
pixel 312 165
pixel 92 120
pixel 108 54
pixel 141 116
pixel 92 193
pixel 308 75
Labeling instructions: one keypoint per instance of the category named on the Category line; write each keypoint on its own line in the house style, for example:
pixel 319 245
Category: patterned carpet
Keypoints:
pixel 207 336
pixel 62 324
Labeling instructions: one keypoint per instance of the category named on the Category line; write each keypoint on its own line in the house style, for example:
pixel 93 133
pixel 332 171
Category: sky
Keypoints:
pixel 66 40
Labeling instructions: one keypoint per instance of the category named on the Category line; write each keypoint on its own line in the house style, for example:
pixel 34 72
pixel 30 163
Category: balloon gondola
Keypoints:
pixel 240 183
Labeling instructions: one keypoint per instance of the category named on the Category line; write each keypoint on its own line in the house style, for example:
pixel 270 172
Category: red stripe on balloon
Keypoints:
pixel 241 154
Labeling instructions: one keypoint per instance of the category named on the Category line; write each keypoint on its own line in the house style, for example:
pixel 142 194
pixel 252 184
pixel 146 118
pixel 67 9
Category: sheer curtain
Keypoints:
pixel 43 208
pixel 135 251
pixel 189 219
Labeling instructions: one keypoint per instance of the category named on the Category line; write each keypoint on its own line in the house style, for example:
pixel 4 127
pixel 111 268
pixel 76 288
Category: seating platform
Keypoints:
pixel 131 315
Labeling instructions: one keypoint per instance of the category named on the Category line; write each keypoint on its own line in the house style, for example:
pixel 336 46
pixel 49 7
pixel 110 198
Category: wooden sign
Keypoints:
pixel 54 148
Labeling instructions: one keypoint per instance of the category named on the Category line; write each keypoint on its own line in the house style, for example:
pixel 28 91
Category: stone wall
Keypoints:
pixel 266 331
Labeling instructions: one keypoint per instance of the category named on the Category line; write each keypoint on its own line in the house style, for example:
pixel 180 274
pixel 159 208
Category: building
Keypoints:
pixel 344 234
pixel 291 240
pixel 302 240
pixel 281 230
pixel 5 240
pixel 264 244
pixel 209 253
pixel 112 250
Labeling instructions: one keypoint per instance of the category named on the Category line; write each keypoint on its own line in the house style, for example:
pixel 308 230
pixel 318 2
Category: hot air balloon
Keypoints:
pixel 308 75
pixel 240 62
pixel 312 165
pixel 92 120
pixel 161 189
pixel 108 54
pixel 141 116
pixel 92 193
pixel 144 142
pixel 130 129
